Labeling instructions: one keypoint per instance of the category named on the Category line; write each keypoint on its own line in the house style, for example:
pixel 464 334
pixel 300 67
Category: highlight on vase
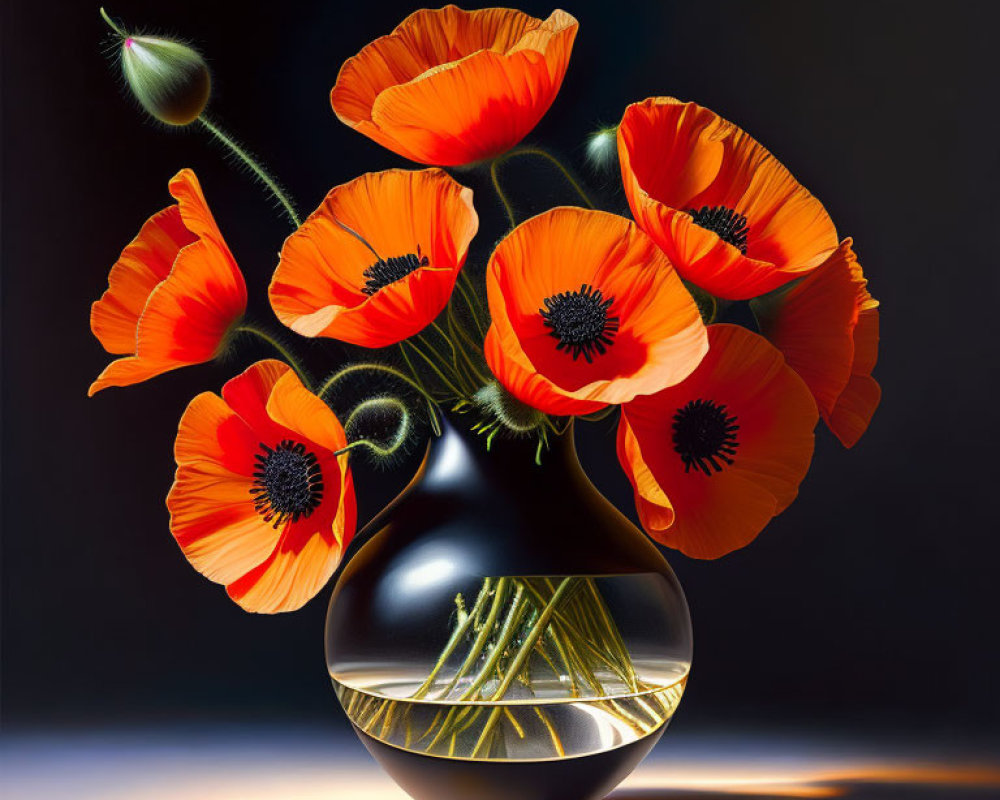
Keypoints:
pixel 451 87
pixel 173 296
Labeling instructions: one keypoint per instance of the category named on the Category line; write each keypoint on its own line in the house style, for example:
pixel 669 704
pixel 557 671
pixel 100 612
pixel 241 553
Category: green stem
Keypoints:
pixel 537 151
pixel 286 354
pixel 255 167
pixel 112 25
pixel 430 363
pixel 468 292
pixel 401 430
pixel 495 177
pixel 352 368
pixel 456 637
pixel 522 656
pixel 431 404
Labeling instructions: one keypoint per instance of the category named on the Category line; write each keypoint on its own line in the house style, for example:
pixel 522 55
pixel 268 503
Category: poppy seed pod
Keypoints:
pixel 170 80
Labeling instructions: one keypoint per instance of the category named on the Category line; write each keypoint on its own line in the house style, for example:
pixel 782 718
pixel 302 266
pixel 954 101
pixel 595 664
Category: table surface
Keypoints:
pixel 239 763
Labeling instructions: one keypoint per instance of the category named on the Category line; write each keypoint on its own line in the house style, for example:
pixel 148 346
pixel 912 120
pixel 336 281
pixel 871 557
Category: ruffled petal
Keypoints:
pixel 826 325
pixel 677 158
pixel 716 511
pixel 302 563
pixel 187 315
pixel 213 519
pixel 317 287
pixel 451 87
pixel 659 338
pixel 812 323
pixel 146 261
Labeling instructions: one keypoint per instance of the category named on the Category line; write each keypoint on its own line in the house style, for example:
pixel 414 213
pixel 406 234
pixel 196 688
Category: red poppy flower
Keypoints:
pixel 261 503
pixel 714 458
pixel 451 87
pixel 730 217
pixel 827 327
pixel 329 283
pixel 173 295
pixel 587 312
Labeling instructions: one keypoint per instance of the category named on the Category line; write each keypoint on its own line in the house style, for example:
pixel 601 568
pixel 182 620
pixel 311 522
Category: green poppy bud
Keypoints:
pixel 170 80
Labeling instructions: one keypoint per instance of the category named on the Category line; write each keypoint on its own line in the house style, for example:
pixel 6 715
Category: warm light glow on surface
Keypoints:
pixel 273 764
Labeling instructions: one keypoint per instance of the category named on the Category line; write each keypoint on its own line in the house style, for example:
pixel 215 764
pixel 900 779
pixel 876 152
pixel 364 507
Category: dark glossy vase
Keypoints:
pixel 507 633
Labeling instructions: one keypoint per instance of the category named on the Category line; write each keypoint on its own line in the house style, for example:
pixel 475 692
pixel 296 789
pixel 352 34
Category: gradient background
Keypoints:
pixel 869 606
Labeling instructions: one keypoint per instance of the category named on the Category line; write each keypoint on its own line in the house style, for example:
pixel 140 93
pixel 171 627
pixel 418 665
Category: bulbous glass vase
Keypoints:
pixel 507 634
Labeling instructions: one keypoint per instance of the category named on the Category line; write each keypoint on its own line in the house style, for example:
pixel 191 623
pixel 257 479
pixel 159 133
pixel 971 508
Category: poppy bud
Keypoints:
pixel 602 147
pixel 169 79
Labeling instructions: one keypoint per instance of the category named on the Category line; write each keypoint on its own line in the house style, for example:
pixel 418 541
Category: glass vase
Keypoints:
pixel 507 634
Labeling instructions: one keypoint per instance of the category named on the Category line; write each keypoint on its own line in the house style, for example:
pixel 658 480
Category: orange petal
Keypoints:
pixel 213 519
pixel 679 157
pixel 187 316
pixel 812 323
pixel 317 287
pixel 451 87
pixel 745 378
pixel 827 327
pixel 292 405
pixel 145 262
pixel 301 564
pixel 247 394
pixel 660 336
pixel 855 406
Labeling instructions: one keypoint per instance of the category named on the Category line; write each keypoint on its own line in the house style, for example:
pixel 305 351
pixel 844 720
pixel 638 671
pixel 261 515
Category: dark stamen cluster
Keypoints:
pixel 704 432
pixel 389 270
pixel 288 482
pixel 731 226
pixel 580 321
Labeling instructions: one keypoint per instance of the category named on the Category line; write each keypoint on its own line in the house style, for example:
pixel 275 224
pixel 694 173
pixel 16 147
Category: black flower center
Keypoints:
pixel 705 435
pixel 731 226
pixel 580 321
pixel 389 270
pixel 288 482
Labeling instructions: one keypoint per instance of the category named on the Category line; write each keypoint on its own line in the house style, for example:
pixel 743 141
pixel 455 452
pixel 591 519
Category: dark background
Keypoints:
pixel 871 603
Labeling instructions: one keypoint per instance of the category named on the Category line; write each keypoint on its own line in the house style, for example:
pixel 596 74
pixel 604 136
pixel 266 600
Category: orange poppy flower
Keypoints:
pixel 730 217
pixel 173 295
pixel 587 312
pixel 260 502
pixel 714 458
pixel 827 326
pixel 451 87
pixel 330 283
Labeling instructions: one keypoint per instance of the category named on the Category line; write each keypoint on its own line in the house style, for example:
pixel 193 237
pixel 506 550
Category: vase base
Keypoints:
pixel 589 777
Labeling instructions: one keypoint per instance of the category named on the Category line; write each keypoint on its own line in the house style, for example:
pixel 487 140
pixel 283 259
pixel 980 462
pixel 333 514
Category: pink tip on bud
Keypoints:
pixel 128 42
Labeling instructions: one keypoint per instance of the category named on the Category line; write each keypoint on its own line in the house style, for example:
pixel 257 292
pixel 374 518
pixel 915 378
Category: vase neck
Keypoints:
pixel 459 451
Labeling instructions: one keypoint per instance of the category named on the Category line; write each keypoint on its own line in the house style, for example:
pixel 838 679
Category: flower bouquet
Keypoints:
pixel 467 642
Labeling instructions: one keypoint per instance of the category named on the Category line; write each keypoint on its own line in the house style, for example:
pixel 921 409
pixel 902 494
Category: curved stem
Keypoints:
pixel 468 292
pixel 430 362
pixel 111 23
pixel 423 389
pixel 495 177
pixel 401 430
pixel 537 151
pixel 257 169
pixel 277 345
pixel 352 368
